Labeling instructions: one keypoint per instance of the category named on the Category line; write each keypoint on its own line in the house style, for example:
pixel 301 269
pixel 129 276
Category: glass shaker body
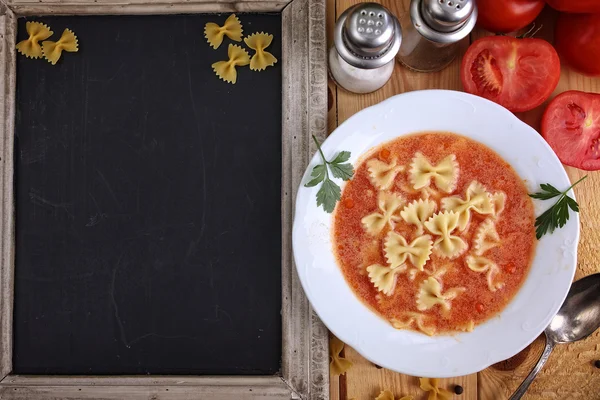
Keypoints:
pixel 433 30
pixel 421 54
pixel 358 80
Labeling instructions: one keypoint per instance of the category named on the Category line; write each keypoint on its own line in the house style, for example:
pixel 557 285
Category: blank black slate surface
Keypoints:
pixel 148 229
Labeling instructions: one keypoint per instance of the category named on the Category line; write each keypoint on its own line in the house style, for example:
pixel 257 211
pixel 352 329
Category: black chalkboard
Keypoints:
pixel 148 230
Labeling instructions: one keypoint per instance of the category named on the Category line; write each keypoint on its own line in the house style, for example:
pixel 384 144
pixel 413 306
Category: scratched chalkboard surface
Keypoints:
pixel 148 230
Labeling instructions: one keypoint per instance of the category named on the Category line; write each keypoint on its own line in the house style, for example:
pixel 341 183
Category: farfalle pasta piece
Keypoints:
pixel 409 318
pixel 384 278
pixel 232 29
pixel 482 264
pixel 30 47
pixel 387 395
pixel 444 174
pixel 397 250
pixel 431 385
pixel 53 50
pixel 430 294
pixel 468 327
pixel 389 204
pixel 226 69
pixel 498 200
pixel 486 237
pixel 338 365
pixel 476 199
pixel 261 58
pixel 382 174
pixel 442 225
pixel 417 212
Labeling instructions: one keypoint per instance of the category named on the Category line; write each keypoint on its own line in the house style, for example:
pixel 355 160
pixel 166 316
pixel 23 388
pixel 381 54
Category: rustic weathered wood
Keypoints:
pixel 117 8
pixel 305 356
pixel 7 112
pixel 570 373
pixel 305 344
pixel 221 388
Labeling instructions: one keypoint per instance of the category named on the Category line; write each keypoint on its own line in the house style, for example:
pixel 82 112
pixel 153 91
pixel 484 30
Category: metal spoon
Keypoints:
pixel 578 317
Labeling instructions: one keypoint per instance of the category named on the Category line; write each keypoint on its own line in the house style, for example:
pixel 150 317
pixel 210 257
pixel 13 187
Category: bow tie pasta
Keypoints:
pixel 439 233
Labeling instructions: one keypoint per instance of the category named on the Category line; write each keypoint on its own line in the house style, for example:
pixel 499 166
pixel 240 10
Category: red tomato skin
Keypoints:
pixel 577 40
pixel 503 16
pixel 575 6
pixel 571 126
pixel 520 98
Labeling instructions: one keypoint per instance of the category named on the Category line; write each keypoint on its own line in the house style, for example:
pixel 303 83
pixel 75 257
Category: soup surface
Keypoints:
pixel 435 232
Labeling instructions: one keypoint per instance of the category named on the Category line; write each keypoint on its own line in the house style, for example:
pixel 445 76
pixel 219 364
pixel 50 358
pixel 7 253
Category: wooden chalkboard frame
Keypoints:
pixel 304 373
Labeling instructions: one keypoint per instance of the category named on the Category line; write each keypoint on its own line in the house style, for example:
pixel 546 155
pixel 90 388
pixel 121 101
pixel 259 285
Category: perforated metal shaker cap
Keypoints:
pixel 443 21
pixel 367 35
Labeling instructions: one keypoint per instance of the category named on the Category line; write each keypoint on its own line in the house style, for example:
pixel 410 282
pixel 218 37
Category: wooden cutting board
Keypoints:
pixel 570 373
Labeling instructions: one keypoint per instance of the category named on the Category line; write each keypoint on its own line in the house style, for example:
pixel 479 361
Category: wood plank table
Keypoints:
pixel 570 373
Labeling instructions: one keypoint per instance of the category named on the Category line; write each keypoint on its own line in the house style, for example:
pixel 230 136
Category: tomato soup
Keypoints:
pixel 435 232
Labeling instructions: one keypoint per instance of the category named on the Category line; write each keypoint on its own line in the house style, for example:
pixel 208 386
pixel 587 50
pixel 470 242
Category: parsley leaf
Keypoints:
pixel 343 171
pixel 330 193
pixel 557 215
pixel 318 174
pixel 342 157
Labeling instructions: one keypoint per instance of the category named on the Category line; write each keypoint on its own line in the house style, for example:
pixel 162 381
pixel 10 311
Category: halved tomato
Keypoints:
pixel 571 126
pixel 519 74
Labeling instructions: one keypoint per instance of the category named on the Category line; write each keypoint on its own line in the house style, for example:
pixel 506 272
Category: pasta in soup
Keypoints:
pixel 435 232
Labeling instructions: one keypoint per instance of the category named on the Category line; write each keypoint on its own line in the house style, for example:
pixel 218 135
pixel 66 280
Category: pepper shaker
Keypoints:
pixel 366 40
pixel 432 32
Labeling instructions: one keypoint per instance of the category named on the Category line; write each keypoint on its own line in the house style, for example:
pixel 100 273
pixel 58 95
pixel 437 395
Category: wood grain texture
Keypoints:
pixel 305 344
pixel 27 9
pixel 7 112
pixel 148 387
pixel 570 373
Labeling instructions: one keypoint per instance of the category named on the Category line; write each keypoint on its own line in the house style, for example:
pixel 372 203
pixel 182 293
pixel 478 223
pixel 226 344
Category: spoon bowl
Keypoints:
pixel 578 317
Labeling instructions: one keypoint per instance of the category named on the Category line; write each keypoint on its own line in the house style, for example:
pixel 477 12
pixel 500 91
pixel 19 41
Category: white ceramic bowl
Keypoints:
pixel 413 353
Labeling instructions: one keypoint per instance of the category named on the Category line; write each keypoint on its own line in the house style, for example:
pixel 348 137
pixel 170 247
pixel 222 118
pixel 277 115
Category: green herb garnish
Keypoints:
pixel 557 215
pixel 329 193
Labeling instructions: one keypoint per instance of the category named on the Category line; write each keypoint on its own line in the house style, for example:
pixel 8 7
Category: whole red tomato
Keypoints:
pixel 577 40
pixel 519 74
pixel 570 125
pixel 574 6
pixel 507 15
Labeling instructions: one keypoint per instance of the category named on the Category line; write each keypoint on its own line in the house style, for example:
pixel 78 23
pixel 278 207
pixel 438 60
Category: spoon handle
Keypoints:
pixel 538 367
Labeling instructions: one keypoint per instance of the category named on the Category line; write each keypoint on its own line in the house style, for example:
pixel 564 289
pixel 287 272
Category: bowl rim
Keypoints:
pixel 417 96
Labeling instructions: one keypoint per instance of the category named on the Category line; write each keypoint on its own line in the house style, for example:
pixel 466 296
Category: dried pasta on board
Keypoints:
pixel 226 69
pixel 53 50
pixel 338 365
pixel 30 47
pixel 261 58
pixel 431 385
pixel 232 28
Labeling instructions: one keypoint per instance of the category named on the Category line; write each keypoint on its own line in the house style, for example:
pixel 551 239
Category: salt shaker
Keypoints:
pixel 432 32
pixel 366 41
